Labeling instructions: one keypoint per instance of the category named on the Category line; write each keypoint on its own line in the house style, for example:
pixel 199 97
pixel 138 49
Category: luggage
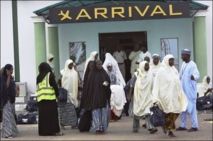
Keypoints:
pixel 85 121
pixel 205 102
pixel 62 97
pixel 67 114
pixel 32 105
pixel 27 118
pixel 158 116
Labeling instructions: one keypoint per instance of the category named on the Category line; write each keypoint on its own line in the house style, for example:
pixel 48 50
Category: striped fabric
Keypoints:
pixel 9 128
pixel 67 114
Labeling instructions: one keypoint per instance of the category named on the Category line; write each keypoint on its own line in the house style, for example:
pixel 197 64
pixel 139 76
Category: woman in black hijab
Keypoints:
pixel 8 94
pixel 47 108
pixel 96 97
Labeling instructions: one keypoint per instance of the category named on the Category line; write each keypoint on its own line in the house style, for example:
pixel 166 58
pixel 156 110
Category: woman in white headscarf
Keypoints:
pixel 168 93
pixel 205 87
pixel 155 64
pixel 118 98
pixel 70 81
pixel 142 98
pixel 93 56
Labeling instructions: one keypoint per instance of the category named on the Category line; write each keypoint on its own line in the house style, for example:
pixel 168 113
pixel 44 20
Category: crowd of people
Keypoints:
pixel 105 95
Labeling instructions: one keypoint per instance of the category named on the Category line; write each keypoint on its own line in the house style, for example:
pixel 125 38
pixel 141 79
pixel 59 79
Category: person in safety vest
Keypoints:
pixel 47 92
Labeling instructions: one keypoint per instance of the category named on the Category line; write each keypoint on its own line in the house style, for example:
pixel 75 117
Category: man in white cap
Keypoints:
pixel 189 75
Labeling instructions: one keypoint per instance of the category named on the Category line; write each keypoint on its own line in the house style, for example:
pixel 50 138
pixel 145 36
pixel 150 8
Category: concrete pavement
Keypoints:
pixel 122 130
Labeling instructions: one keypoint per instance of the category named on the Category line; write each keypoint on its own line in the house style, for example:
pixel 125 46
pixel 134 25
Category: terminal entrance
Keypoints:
pixel 108 42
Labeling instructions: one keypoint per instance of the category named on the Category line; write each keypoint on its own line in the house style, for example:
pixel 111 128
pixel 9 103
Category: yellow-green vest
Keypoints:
pixel 44 90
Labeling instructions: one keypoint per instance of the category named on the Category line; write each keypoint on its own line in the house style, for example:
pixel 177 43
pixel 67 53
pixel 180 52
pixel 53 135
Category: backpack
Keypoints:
pixel 62 97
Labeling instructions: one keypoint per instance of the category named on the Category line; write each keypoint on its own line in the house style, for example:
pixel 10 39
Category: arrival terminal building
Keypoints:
pixel 75 28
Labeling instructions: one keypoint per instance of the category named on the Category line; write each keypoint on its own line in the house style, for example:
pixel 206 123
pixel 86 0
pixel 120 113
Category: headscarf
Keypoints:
pixel 43 69
pixel 142 91
pixel 167 88
pixel 155 68
pixel 91 58
pixel 7 92
pixel 70 82
pixel 109 59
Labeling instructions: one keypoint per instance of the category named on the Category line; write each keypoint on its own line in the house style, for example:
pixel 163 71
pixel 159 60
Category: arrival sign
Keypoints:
pixel 122 11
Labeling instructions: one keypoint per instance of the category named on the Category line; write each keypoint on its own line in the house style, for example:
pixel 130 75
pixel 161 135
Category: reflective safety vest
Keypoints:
pixel 44 90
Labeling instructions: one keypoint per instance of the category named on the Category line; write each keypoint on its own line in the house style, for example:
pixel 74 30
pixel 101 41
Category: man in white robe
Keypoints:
pixel 189 75
pixel 120 57
pixel 136 58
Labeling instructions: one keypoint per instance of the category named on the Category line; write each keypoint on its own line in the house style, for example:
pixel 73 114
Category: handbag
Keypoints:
pixel 158 116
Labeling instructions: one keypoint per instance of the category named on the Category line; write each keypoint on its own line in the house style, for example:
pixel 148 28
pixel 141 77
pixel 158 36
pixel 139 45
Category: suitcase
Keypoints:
pixel 67 114
pixel 85 121
pixel 27 118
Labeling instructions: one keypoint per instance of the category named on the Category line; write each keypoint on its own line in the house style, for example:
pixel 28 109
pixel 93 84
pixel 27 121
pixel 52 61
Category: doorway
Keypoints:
pixel 108 42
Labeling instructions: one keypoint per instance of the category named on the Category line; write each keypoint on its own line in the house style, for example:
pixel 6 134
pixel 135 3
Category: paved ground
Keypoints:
pixel 122 130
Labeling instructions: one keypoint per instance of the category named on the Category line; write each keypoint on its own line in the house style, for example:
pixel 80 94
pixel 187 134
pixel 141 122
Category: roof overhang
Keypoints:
pixel 193 7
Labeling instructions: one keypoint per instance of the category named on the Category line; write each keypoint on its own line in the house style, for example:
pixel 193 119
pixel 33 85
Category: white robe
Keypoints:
pixel 142 99
pixel 135 57
pixel 70 83
pixel 167 89
pixel 118 98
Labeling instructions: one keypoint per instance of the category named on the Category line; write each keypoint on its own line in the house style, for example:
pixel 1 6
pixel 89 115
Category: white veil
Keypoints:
pixel 109 59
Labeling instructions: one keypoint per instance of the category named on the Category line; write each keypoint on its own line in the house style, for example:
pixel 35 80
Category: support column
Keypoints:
pixel 15 39
pixel 200 46
pixel 53 47
pixel 40 41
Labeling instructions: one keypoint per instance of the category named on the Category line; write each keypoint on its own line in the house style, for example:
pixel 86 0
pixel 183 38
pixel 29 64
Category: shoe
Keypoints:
pixel 181 129
pixel 193 130
pixel 59 134
pixel 144 125
pixel 170 134
pixel 152 131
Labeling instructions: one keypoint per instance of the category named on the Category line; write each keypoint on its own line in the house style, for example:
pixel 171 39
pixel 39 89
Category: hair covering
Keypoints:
pixel 6 67
pixel 156 56
pixel 91 58
pixel 186 51
pixel 155 68
pixel 50 56
pixel 167 90
pixel 142 100
pixel 70 82
pixel 43 69
pixel 7 92
pixel 109 60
